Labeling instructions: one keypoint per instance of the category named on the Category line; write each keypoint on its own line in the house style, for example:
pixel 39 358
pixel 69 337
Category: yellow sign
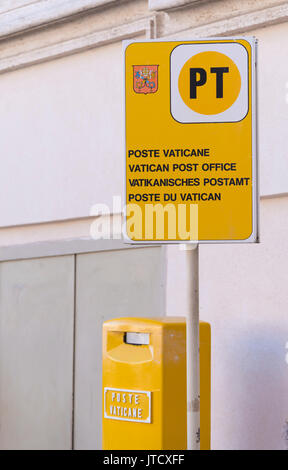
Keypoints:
pixel 127 405
pixel 191 172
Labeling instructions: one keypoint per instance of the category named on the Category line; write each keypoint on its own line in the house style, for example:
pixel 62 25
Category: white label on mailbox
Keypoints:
pixel 127 405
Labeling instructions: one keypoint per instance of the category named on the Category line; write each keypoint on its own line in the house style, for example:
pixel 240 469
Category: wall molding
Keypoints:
pixel 7 5
pixel 32 51
pixel 170 4
pixel 238 24
pixel 44 12
pixel 145 26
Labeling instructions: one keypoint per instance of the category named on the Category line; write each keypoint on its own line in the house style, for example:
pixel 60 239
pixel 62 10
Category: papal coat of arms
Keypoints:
pixel 145 78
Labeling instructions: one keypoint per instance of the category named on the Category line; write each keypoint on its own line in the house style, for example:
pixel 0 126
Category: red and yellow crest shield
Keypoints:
pixel 145 78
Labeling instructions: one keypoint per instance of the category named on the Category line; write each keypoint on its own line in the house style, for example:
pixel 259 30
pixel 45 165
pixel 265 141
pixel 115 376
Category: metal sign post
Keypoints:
pixel 192 347
pixel 191 158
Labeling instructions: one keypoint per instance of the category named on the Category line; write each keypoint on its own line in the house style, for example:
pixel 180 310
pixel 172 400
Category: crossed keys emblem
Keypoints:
pixel 145 78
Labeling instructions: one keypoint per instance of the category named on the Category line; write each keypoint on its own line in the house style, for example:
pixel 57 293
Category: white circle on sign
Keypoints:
pixel 183 53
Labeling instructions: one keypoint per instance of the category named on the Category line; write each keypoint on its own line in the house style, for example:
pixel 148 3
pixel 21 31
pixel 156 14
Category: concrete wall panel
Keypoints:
pixel 36 353
pixel 109 285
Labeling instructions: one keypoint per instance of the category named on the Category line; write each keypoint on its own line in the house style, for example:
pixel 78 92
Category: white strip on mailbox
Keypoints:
pixel 137 338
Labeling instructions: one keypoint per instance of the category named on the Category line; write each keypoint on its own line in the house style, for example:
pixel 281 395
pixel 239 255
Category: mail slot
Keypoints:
pixel 144 384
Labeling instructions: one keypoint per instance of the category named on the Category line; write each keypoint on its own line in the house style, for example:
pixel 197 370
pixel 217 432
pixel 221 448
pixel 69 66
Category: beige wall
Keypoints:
pixel 243 294
pixel 62 132
pixel 62 120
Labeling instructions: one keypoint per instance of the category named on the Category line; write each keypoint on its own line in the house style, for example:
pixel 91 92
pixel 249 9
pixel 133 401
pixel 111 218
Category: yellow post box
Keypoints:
pixel 144 384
